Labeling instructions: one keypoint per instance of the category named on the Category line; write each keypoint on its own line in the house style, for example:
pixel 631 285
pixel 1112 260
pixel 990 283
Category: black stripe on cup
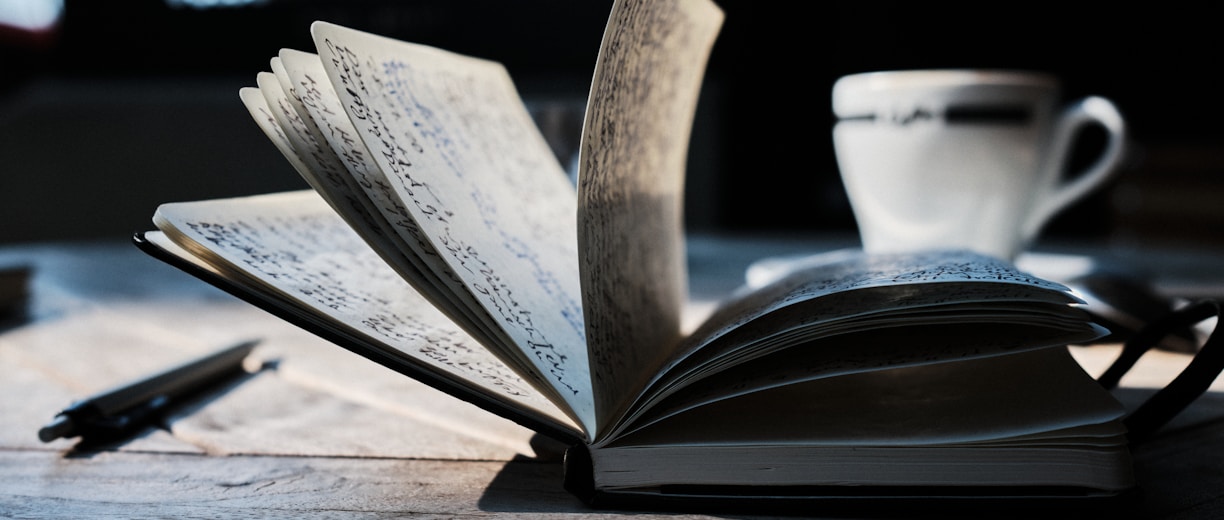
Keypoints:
pixel 967 114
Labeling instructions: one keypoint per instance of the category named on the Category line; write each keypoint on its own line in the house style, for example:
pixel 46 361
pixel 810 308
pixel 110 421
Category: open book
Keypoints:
pixel 442 238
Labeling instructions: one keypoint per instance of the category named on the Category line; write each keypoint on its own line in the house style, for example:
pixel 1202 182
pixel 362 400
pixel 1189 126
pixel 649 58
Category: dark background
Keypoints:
pixel 127 104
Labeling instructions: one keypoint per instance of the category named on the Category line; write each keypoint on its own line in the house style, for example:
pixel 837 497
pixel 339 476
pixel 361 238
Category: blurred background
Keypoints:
pixel 109 108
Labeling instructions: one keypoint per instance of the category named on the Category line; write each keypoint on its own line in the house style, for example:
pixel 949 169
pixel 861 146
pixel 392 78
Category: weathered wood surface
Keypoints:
pixel 164 485
pixel 328 434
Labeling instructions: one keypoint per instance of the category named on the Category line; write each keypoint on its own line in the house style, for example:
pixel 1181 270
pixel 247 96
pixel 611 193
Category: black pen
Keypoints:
pixel 123 409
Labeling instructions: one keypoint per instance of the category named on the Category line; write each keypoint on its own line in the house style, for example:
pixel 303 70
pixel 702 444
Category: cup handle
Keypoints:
pixel 1089 110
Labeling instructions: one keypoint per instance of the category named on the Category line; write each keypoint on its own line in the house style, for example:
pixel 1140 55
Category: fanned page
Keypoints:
pixel 294 246
pixel 893 427
pixel 909 407
pixel 855 284
pixel 467 163
pixel 859 313
pixel 319 165
pixel 347 176
pixel 293 130
pixel 631 182
pixel 255 103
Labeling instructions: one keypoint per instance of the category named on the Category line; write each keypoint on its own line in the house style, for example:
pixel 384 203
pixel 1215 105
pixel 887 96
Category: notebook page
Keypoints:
pixel 631 183
pixel 294 245
pixel 395 238
pixel 478 179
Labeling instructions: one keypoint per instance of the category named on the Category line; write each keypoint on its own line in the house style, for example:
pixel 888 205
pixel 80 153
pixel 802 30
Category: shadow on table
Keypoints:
pixel 532 484
pixel 1180 468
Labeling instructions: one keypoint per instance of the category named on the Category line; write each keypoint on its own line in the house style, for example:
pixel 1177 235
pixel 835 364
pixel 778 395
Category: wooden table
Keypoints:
pixel 329 434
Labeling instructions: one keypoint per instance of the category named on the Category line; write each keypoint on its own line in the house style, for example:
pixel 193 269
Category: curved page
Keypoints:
pixel 997 399
pixel 476 176
pixel 357 188
pixel 631 183
pixel 294 246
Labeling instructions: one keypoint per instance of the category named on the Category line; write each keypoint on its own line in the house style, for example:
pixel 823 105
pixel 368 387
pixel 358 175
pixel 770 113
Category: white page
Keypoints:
pixel 323 170
pixel 257 105
pixel 295 245
pixel 631 182
pixel 468 163
pixel 397 239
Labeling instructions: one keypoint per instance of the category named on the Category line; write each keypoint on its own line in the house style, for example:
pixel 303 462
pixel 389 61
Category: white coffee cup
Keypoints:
pixel 963 158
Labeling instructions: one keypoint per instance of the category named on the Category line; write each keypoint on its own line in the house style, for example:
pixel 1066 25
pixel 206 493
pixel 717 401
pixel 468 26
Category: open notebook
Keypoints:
pixel 442 238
